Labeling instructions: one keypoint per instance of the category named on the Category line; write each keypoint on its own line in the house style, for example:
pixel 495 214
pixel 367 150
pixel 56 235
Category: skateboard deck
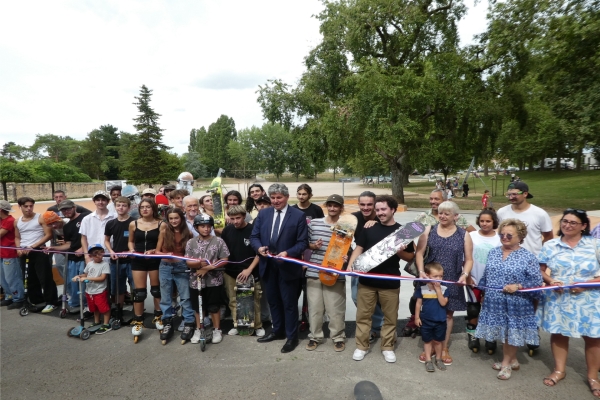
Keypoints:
pixel 244 307
pixel 388 246
pixel 367 390
pixel 217 199
pixel 339 244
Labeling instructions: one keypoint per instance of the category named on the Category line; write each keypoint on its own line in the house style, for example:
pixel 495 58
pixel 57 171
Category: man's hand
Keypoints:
pixel 263 251
pixel 282 254
pixel 369 224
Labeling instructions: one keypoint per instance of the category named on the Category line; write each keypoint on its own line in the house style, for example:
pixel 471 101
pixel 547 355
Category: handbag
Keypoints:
pixel 411 267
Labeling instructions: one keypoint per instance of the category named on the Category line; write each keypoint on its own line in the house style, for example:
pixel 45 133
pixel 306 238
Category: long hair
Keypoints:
pixel 249 200
pixel 169 243
pixel 153 205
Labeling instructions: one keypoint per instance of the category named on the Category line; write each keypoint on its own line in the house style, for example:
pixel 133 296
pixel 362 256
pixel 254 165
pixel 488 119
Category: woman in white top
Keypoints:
pixel 484 240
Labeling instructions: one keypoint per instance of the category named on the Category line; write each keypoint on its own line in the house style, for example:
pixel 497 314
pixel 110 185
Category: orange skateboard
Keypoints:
pixel 341 239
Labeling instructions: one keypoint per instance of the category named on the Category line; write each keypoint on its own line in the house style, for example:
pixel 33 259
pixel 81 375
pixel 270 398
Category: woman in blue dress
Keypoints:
pixel 506 314
pixel 568 259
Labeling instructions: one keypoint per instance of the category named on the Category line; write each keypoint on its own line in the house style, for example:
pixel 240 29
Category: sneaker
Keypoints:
pixel 16 305
pixel 232 332
pixel 312 344
pixel 389 356
pixel 196 338
pixel 48 309
pixel 260 332
pixel 93 324
pixel 359 354
pixel 181 325
pixel 6 302
pixel 103 329
pixel 339 346
pixel 217 336
pixel 72 310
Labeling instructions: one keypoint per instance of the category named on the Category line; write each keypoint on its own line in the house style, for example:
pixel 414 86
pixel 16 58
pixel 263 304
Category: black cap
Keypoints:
pixel 522 186
pixel 169 187
pixel 263 199
pixel 66 204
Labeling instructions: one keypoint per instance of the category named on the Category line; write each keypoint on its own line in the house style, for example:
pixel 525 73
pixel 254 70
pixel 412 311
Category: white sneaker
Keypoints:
pixel 232 332
pixel 48 309
pixel 217 336
pixel 359 354
pixel 196 338
pixel 181 325
pixel 389 356
pixel 260 332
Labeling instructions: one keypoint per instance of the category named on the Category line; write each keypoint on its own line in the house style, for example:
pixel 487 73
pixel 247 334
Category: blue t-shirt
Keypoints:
pixel 431 310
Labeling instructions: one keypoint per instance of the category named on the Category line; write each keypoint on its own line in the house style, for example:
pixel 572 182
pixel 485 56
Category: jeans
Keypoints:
pixel 168 274
pixel 124 274
pixel 12 279
pixel 75 268
pixel 377 317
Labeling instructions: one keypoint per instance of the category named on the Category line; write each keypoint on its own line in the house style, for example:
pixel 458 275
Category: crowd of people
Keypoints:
pixel 481 271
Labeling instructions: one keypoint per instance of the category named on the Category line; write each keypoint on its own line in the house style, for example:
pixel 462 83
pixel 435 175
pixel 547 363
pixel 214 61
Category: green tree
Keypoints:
pixel 215 143
pixel 13 151
pixel 56 147
pixel 13 171
pixel 145 150
pixel 191 163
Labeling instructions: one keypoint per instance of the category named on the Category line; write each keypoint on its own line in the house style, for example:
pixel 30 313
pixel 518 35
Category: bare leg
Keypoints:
pixel 592 359
pixel 449 326
pixel 437 346
pixel 216 319
pixel 510 354
pixel 427 346
pixel 560 350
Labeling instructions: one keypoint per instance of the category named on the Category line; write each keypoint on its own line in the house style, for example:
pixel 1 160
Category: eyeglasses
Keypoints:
pixel 509 236
pixel 509 195
pixel 572 223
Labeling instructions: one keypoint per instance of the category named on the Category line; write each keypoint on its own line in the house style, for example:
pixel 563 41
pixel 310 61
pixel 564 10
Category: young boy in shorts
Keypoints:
pixel 96 272
pixel 430 314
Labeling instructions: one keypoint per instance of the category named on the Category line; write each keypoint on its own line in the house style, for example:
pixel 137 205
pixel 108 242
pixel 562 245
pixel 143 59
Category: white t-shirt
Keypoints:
pixel 93 228
pixel 94 270
pixel 481 247
pixel 537 221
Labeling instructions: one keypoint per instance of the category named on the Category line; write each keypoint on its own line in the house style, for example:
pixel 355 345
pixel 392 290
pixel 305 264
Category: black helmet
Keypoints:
pixel 204 219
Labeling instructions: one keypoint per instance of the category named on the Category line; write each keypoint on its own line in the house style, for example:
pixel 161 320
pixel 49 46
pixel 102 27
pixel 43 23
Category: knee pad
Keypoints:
pixel 473 310
pixel 155 291
pixel 214 309
pixel 139 295
pixel 412 305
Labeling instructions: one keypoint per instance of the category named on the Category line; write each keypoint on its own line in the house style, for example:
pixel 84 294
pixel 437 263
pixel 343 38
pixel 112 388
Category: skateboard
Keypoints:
pixel 339 244
pixel 367 390
pixel 244 307
pixel 217 198
pixel 388 247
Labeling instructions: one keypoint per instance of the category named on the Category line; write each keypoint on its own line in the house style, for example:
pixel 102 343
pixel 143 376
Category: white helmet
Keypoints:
pixel 185 180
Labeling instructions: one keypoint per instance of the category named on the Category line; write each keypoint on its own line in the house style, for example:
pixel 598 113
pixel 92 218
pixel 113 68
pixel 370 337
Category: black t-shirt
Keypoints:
pixel 119 230
pixel 369 238
pixel 312 212
pixel 80 210
pixel 238 243
pixel 71 232
pixel 361 223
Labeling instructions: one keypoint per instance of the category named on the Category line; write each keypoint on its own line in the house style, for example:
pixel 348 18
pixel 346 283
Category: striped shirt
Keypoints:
pixel 319 229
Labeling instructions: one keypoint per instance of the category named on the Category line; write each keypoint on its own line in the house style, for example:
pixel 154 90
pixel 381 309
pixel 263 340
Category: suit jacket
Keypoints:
pixel 293 238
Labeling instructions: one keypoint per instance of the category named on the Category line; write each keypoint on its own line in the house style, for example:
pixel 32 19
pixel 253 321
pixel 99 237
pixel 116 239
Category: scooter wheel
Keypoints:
pixel 69 331
pixel 116 325
pixel 202 345
pixel 23 311
pixel 63 313
pixel 135 339
pixel 85 334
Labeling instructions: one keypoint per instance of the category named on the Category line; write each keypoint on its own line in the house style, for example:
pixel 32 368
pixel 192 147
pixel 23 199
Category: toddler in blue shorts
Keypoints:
pixel 430 314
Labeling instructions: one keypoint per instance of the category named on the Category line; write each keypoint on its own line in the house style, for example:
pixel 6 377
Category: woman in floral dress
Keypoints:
pixel 568 259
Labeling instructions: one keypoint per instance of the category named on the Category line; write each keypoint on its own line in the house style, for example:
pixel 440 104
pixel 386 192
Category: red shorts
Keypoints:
pixel 98 302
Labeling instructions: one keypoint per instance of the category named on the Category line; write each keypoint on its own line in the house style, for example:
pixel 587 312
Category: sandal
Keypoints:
pixel 514 366
pixel 595 391
pixel 553 379
pixel 447 360
pixel 440 365
pixel 422 358
pixel 504 373
pixel 429 366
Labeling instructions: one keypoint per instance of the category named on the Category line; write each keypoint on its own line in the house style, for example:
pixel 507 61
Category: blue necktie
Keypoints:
pixel 275 233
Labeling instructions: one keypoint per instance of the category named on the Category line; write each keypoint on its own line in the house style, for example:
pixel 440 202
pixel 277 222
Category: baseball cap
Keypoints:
pixel 94 247
pixel 263 199
pixel 169 187
pixel 101 193
pixel 522 186
pixel 66 204
pixel 335 198
pixel 161 199
pixel 5 205
pixel 149 191
pixel 50 217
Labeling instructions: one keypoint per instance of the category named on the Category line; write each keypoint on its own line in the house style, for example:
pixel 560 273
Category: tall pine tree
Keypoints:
pixel 142 161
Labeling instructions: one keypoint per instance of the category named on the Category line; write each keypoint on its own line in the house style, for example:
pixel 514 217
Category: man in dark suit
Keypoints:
pixel 281 231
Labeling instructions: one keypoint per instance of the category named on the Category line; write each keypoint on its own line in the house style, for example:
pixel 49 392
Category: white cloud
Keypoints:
pixel 67 67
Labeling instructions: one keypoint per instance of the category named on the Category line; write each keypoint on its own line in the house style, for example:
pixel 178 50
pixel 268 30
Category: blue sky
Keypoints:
pixel 67 67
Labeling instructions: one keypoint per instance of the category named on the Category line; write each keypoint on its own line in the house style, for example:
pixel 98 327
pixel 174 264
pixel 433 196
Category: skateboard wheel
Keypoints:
pixel 490 352
pixel 163 342
pixel 182 341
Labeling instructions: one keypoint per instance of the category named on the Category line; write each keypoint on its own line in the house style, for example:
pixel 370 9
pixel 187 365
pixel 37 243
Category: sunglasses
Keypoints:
pixel 508 236
pixel 513 194
pixel 575 210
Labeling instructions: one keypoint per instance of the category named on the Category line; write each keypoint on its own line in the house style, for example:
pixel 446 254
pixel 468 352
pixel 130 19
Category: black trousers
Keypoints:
pixel 40 282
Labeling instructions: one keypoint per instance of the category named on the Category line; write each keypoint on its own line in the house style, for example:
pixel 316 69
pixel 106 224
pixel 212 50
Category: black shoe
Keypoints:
pixel 270 337
pixel 6 302
pixel 290 345
pixel 17 305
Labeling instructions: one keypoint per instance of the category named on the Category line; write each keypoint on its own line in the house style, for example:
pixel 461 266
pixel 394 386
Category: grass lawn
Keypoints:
pixel 551 190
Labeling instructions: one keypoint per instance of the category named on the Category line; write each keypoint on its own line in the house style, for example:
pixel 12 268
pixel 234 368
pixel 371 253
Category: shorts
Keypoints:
pixel 98 302
pixel 433 330
pixel 212 298
pixel 145 264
